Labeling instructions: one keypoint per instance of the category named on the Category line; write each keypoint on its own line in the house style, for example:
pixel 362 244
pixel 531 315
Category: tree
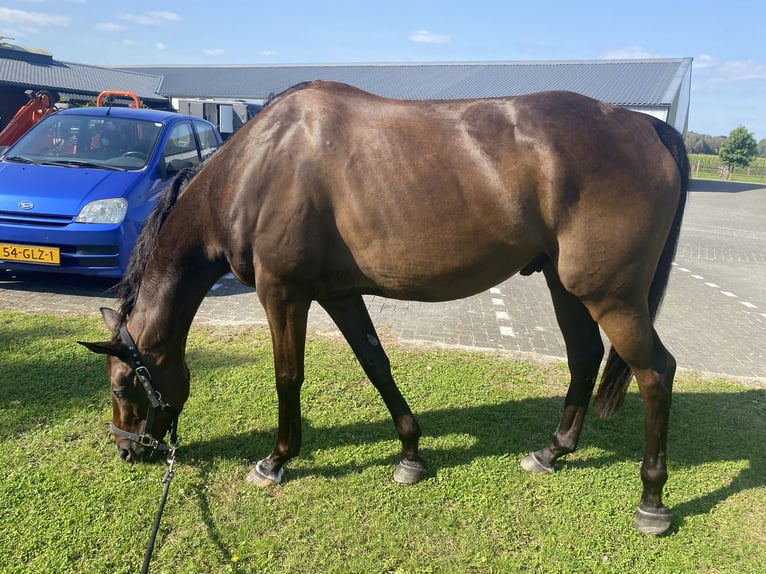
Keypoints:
pixel 762 147
pixel 739 149
pixel 703 143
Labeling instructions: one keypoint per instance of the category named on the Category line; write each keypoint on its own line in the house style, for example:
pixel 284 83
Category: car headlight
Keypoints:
pixel 104 211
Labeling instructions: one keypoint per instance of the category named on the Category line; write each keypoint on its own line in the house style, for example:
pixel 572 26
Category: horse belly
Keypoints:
pixel 441 272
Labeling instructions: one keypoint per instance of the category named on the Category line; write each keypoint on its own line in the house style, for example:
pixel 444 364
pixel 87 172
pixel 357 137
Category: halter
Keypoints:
pixel 156 403
pixel 146 439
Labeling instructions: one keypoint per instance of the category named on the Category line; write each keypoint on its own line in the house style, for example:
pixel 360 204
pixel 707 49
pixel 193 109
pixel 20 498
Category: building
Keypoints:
pixel 24 69
pixel 230 95
pixel 659 87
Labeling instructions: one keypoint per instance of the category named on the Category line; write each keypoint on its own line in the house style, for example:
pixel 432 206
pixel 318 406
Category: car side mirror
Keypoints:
pixel 170 169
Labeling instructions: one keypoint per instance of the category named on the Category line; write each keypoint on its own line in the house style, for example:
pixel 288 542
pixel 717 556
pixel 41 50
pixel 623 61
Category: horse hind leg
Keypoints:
pixel 637 343
pixel 584 353
pixel 352 318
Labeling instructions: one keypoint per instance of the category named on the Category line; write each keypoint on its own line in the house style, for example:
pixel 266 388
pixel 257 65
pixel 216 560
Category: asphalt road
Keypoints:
pixel 713 319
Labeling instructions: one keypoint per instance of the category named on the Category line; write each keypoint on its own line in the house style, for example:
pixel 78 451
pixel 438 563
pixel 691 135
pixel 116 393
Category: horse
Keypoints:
pixel 331 193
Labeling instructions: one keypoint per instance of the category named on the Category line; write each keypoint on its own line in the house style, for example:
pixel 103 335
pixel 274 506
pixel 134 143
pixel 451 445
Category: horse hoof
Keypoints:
pixel 531 463
pixel 654 521
pixel 409 471
pixel 262 477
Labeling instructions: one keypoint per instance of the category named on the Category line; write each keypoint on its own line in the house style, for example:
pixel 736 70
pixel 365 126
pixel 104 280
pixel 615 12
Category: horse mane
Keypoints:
pixel 274 97
pixel 128 287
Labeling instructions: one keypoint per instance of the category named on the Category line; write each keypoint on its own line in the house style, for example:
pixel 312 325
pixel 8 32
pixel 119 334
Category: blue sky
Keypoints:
pixel 726 39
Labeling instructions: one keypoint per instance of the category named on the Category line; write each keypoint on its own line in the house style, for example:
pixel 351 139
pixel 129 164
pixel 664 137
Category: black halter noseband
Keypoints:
pixel 155 403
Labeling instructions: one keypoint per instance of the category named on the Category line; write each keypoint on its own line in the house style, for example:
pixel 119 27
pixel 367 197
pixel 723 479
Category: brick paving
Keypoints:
pixel 713 319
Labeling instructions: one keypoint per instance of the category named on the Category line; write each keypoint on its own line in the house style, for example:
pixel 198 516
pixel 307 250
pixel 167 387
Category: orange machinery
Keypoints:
pixel 107 96
pixel 28 115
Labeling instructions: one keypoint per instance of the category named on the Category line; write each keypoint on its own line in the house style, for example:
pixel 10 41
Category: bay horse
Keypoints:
pixel 331 193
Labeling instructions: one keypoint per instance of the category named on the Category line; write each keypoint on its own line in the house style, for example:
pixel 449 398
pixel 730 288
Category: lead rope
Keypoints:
pixel 173 444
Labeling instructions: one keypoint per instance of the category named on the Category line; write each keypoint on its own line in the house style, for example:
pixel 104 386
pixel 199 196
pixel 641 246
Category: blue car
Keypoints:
pixel 77 187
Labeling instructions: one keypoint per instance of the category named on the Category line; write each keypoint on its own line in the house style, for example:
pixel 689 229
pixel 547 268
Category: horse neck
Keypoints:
pixel 178 275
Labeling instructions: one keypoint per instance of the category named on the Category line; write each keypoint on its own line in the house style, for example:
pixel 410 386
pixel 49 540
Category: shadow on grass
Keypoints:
pixel 705 428
pixel 43 372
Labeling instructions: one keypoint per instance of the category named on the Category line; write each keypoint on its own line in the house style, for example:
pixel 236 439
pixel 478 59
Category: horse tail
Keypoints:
pixel 616 376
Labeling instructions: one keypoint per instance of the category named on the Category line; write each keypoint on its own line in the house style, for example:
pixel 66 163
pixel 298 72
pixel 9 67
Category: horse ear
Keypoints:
pixel 112 318
pixel 109 348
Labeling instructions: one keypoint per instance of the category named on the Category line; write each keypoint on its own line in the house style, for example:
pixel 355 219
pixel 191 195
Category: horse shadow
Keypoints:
pixel 705 428
pixel 60 284
pixel 718 186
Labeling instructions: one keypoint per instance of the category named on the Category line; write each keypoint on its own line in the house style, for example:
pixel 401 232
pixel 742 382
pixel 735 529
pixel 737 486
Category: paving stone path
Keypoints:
pixel 713 319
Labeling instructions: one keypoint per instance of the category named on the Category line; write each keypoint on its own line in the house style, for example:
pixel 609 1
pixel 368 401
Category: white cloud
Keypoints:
pixel 127 42
pixel 627 53
pixel 32 21
pixel 109 27
pixel 426 37
pixel 160 46
pixel 715 70
pixel 703 61
pixel 213 51
pixel 737 71
pixel 268 53
pixel 151 18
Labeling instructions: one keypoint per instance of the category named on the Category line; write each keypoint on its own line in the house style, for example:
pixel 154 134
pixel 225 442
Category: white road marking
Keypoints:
pixel 506 331
pixel 721 291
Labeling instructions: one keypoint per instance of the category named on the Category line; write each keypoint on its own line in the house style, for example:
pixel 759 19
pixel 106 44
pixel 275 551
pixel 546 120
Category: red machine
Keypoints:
pixel 28 115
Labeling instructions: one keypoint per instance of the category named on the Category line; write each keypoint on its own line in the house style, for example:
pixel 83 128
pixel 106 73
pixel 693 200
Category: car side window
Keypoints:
pixel 181 147
pixel 207 141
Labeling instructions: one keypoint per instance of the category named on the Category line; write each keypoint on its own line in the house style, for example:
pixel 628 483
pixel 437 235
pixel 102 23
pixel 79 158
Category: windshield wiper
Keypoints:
pixel 82 163
pixel 19 159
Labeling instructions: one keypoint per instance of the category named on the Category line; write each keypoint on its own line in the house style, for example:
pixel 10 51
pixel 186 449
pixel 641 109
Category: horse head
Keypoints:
pixel 148 392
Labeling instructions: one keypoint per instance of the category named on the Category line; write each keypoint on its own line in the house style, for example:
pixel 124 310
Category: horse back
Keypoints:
pixel 435 199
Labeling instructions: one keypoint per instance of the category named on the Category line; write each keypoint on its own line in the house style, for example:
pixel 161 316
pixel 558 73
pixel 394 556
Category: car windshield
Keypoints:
pixel 87 141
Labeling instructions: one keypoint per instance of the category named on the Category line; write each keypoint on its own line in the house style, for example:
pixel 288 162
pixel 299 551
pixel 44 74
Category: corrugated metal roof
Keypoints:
pixel 624 82
pixel 649 83
pixel 37 74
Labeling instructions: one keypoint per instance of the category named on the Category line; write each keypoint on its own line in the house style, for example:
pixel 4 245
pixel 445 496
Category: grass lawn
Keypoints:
pixel 68 504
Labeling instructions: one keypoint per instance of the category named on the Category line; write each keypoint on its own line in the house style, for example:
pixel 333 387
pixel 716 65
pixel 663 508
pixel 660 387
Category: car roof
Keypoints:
pixel 123 112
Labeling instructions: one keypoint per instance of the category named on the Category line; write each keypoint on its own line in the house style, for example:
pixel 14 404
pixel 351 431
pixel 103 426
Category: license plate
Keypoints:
pixel 30 254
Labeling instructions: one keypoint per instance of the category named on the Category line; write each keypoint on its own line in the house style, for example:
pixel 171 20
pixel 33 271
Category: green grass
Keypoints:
pixel 68 504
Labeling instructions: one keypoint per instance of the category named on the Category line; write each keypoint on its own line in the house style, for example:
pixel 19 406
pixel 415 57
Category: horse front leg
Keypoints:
pixel 584 352
pixel 352 318
pixel 287 323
